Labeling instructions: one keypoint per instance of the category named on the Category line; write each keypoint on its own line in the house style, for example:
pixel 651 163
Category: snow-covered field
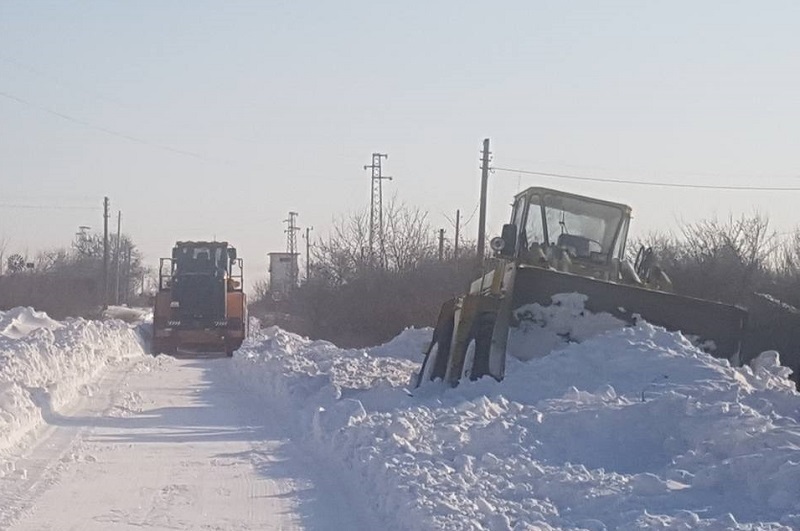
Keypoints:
pixel 617 428
pixel 634 428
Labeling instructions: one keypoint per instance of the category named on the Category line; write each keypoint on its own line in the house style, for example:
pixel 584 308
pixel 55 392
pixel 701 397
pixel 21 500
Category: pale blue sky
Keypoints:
pixel 285 101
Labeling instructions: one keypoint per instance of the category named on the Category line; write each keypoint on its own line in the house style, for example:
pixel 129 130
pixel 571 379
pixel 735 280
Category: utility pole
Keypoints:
pixel 128 272
pixel 116 253
pixel 291 245
pixel 308 252
pixel 376 208
pixel 441 245
pixel 455 245
pixel 106 206
pixel 482 216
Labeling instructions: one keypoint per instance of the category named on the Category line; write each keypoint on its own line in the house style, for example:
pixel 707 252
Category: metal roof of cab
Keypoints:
pixel 542 191
pixel 197 243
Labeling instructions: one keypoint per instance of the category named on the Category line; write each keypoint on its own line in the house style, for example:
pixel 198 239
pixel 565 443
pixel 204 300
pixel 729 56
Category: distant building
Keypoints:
pixel 283 273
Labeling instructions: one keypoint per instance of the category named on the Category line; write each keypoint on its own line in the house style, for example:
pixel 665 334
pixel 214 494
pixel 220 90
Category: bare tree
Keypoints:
pixel 409 237
pixel 745 245
pixel 260 290
pixel 344 253
pixel 722 260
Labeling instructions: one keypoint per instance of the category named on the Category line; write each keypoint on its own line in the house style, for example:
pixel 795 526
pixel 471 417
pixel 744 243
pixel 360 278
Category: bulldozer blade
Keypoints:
pixel 723 324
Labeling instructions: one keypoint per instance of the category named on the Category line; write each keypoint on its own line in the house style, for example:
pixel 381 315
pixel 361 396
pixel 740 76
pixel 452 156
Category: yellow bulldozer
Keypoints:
pixel 200 305
pixel 558 242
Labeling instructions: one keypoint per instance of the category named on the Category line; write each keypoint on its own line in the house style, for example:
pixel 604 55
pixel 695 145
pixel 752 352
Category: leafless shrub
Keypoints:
pixel 69 281
pixel 354 298
pixel 720 260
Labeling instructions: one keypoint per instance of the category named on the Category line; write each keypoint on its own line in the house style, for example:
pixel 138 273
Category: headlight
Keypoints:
pixel 497 244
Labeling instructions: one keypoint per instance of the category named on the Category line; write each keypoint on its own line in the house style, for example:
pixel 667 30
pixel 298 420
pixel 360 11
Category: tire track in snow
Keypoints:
pixel 38 466
pixel 176 444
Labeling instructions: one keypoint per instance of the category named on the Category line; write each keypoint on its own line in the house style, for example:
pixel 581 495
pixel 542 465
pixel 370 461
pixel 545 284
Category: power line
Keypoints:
pixel 46 207
pixel 103 129
pixel 632 169
pixel 58 81
pixel 473 214
pixel 652 183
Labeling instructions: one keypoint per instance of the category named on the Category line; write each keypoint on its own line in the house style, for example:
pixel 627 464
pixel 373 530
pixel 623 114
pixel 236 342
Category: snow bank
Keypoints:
pixel 634 428
pixel 128 314
pixel 19 322
pixel 45 363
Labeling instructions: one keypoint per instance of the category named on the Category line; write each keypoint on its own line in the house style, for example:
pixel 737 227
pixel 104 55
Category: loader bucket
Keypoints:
pixel 706 320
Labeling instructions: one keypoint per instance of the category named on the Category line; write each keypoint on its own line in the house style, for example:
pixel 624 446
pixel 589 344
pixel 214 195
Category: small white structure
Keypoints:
pixel 283 273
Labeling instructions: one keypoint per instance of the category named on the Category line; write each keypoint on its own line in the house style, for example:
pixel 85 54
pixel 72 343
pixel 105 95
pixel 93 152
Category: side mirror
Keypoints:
pixel 231 254
pixel 506 243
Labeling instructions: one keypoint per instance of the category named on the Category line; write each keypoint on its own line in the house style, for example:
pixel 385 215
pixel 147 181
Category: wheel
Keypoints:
pixel 481 334
pixel 162 346
pixel 231 346
pixel 435 364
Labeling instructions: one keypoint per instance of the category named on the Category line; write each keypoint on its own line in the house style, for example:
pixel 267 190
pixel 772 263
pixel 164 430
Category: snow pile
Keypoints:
pixel 635 428
pixel 411 343
pixel 128 314
pixel 45 363
pixel 19 322
pixel 542 329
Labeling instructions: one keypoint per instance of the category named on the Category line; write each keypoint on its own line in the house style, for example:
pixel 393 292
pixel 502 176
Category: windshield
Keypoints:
pixel 201 259
pixel 584 228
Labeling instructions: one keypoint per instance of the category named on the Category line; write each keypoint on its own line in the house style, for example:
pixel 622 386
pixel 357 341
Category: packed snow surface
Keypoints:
pixel 634 428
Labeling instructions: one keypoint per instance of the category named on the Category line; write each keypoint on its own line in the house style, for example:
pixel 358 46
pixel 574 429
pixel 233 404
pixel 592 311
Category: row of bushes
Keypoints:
pixel 68 282
pixel 371 308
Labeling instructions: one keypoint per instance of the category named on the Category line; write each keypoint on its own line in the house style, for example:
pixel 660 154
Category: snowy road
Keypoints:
pixel 168 444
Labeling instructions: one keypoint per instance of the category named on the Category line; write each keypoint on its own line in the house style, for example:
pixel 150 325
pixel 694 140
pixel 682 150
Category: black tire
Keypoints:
pixel 481 333
pixel 442 337
pixel 231 346
pixel 163 347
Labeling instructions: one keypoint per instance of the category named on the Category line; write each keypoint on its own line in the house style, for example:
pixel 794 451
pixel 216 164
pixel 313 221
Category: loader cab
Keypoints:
pixel 199 258
pixel 562 230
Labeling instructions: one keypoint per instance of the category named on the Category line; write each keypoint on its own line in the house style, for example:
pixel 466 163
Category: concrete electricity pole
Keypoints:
pixel 455 245
pixel 308 252
pixel 482 216
pixel 116 253
pixel 106 206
